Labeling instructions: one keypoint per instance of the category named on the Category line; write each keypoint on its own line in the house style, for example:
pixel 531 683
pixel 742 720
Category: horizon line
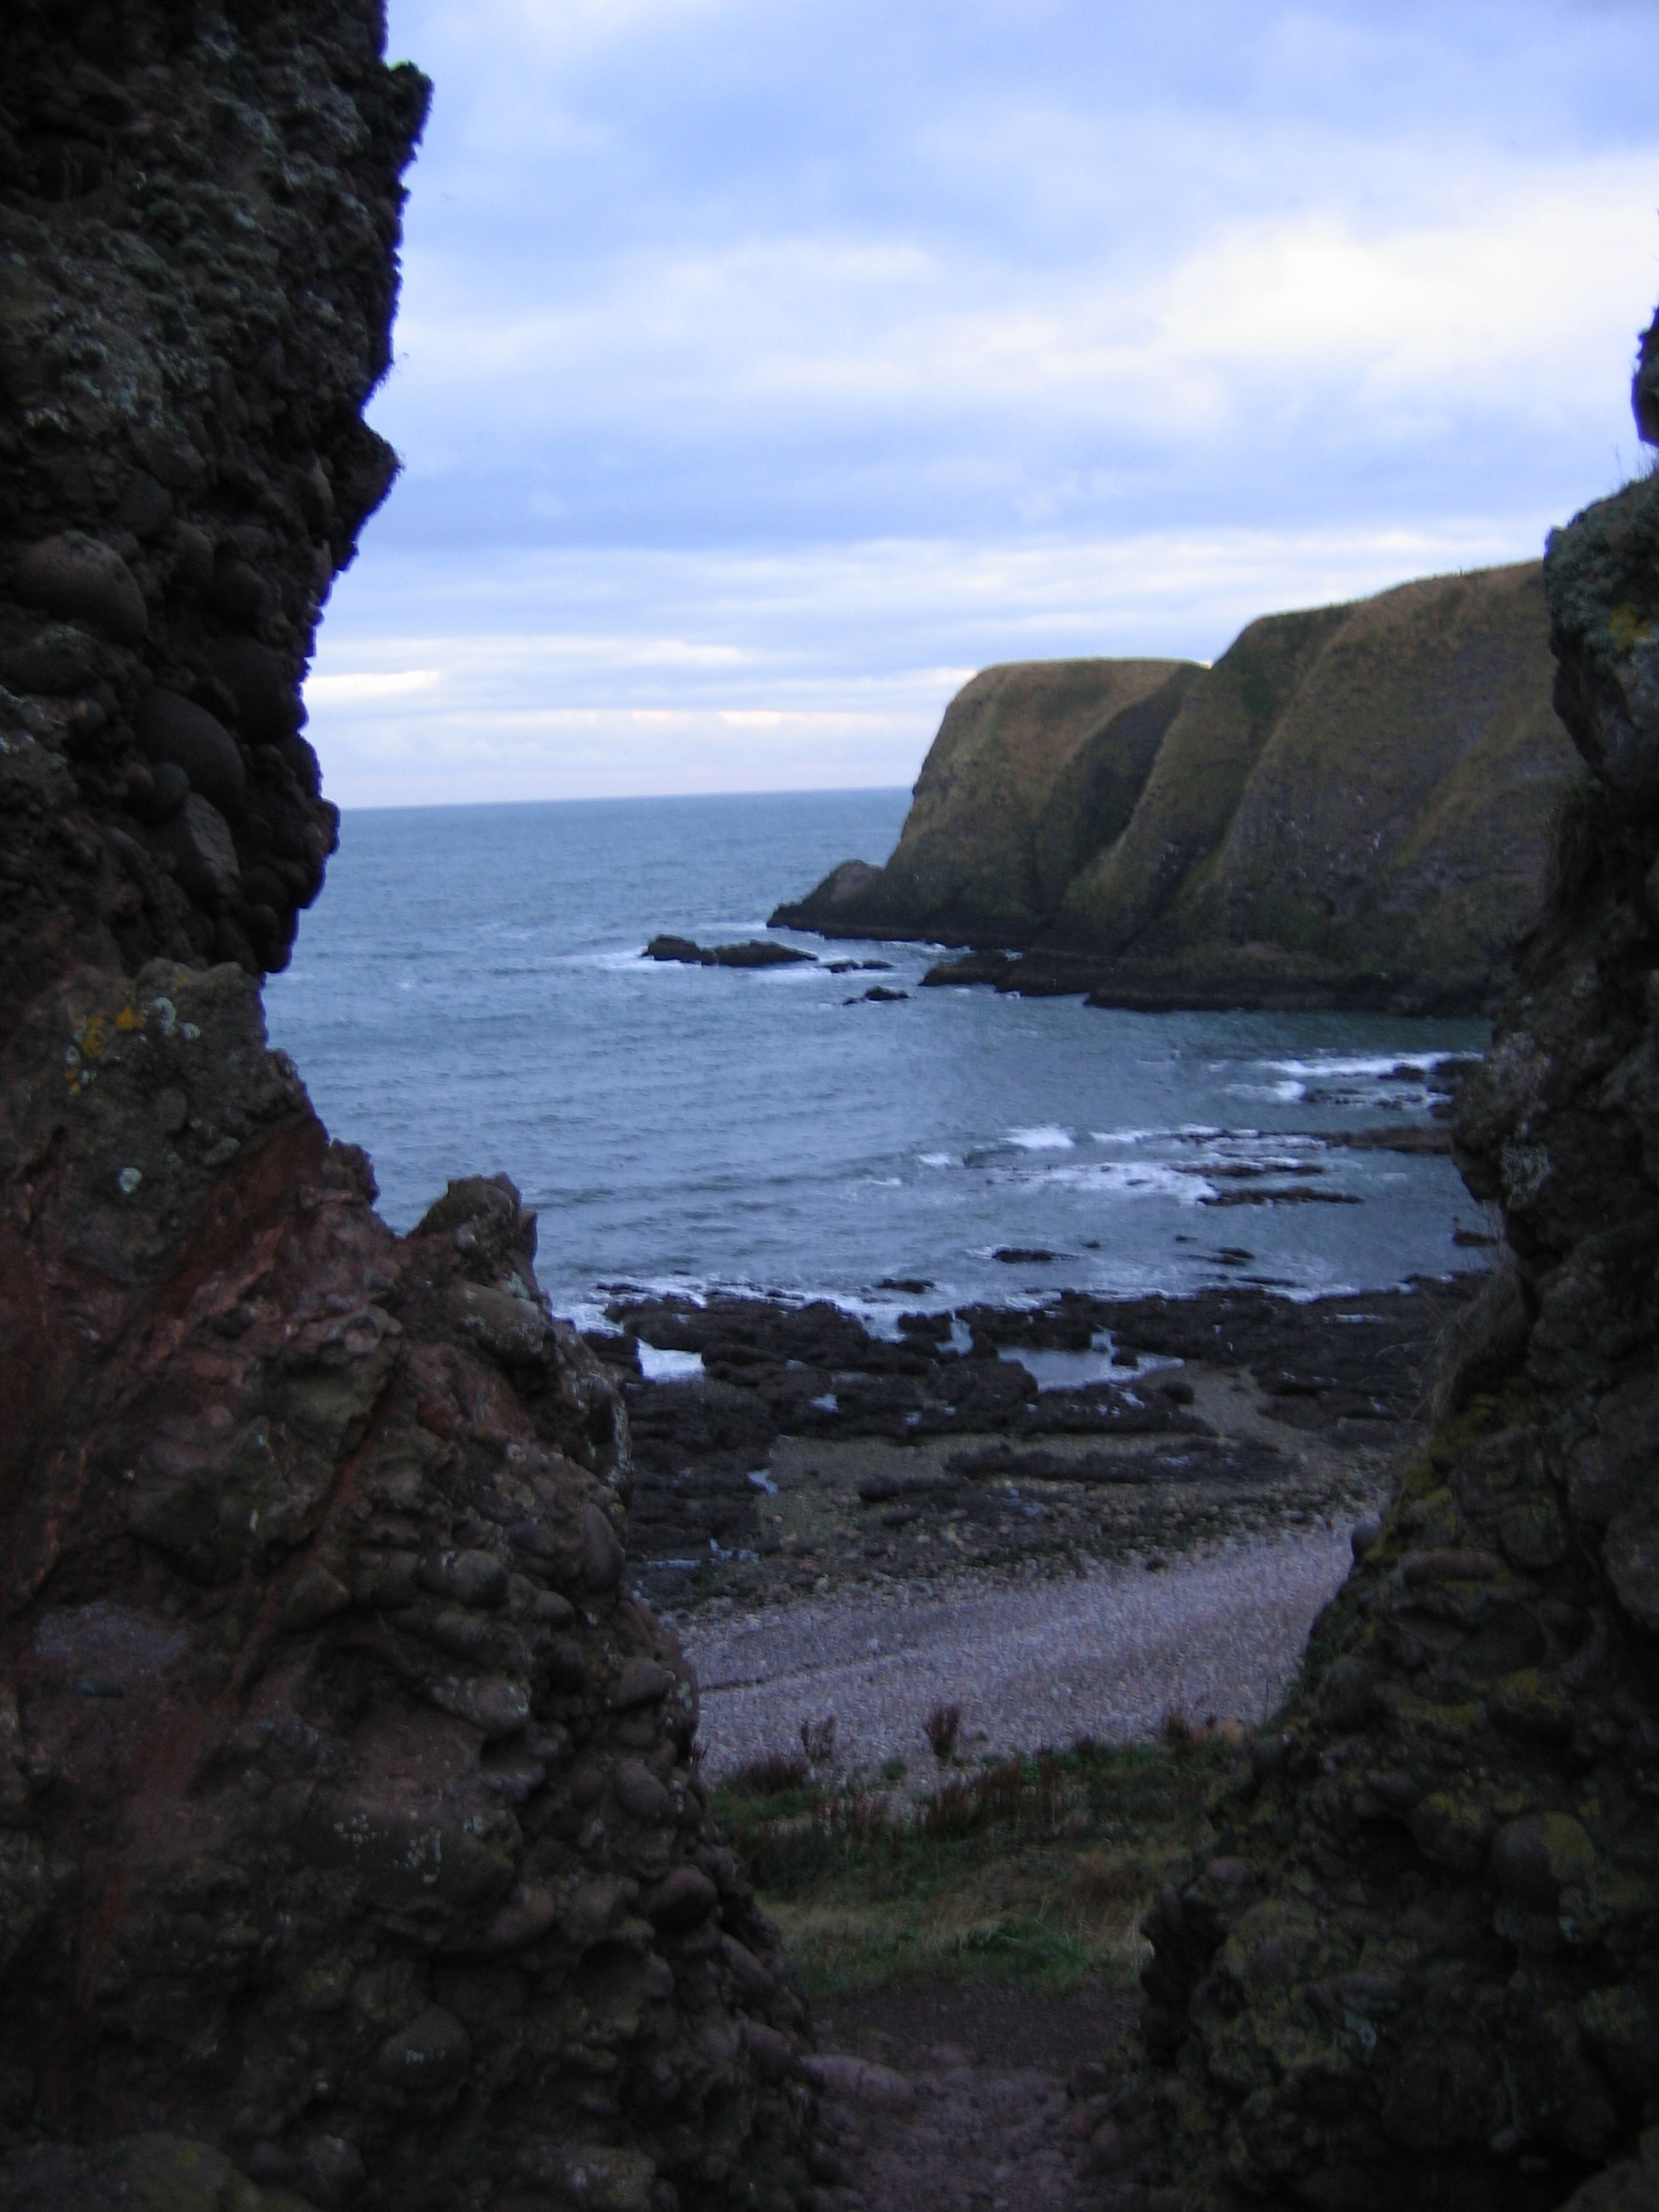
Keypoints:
pixel 625 799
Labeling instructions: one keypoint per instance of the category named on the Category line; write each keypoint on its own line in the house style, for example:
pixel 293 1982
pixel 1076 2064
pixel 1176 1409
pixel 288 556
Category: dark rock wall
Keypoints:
pixel 198 218
pixel 350 1820
pixel 350 1839
pixel 1421 1963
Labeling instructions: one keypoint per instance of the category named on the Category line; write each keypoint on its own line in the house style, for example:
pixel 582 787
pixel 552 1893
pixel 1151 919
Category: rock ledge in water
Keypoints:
pixel 756 953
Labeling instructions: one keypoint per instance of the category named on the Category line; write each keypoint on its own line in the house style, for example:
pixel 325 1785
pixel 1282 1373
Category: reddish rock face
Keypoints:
pixel 352 1852
pixel 351 1820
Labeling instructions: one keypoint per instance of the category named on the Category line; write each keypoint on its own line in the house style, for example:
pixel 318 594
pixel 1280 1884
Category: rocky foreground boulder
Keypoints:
pixel 1420 1963
pixel 352 1852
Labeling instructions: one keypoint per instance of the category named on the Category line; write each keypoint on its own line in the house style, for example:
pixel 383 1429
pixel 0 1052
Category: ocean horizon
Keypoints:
pixel 469 997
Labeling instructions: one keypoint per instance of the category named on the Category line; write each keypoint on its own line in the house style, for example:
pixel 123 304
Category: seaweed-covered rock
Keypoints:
pixel 1420 1962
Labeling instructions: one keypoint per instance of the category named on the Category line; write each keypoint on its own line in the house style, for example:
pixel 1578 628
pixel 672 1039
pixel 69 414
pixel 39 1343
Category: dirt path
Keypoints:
pixel 963 2103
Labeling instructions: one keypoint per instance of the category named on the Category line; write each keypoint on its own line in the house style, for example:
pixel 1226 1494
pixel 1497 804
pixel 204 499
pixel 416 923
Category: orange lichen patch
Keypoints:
pixel 1629 625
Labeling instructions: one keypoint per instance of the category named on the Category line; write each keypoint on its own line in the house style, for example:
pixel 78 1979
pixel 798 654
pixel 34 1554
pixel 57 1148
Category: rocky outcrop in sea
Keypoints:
pixel 1352 808
pixel 352 1852
pixel 1419 1961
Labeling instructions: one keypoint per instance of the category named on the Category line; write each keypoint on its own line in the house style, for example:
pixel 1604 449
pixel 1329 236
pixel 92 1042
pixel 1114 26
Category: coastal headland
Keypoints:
pixel 1351 809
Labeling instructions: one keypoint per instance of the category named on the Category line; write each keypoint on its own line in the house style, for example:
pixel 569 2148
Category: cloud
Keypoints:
pixel 754 358
pixel 826 667
pixel 349 688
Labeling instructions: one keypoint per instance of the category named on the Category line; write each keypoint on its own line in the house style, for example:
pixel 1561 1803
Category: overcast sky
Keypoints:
pixel 767 366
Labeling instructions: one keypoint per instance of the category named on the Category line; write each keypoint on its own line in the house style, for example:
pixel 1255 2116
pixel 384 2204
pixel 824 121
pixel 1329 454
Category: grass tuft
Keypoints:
pixel 776 1775
pixel 941 1727
pixel 1032 1872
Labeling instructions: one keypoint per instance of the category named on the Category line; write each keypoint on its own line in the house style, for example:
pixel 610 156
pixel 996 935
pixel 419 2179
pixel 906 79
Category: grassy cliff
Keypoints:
pixel 982 846
pixel 1353 797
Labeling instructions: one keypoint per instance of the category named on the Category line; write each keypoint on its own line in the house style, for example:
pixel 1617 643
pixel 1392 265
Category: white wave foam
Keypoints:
pixel 668 1366
pixel 1320 1066
pixel 1046 1137
pixel 587 1317
pixel 1119 1179
pixel 1182 1133
pixel 938 1160
pixel 1286 1093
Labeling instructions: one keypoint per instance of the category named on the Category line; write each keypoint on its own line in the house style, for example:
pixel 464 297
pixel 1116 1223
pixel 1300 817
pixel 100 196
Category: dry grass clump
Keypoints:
pixel 773 1775
pixel 1183 1737
pixel 817 1739
pixel 941 1727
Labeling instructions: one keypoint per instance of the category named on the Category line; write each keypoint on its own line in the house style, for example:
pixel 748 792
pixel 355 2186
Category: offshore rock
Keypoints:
pixel 756 953
pixel 352 1849
pixel 1419 1961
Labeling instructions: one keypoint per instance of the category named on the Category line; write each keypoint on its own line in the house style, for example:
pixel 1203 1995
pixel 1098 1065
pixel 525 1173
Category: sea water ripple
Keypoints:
pixel 469 996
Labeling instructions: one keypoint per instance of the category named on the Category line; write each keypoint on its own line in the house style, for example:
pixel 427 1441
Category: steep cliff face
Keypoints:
pixel 1353 796
pixel 350 1840
pixel 1421 1962
pixel 1031 762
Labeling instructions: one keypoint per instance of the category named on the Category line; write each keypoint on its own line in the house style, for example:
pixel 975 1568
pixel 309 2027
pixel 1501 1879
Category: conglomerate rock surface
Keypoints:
pixel 351 1849
pixel 198 213
pixel 1420 1964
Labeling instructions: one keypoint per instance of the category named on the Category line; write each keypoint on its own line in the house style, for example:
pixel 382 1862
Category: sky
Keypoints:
pixel 766 367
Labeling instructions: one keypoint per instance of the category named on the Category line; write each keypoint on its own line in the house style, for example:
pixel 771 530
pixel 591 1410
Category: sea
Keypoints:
pixel 470 996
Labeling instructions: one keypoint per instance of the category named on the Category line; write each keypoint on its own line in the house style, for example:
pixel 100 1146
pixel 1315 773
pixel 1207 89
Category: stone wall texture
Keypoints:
pixel 352 1852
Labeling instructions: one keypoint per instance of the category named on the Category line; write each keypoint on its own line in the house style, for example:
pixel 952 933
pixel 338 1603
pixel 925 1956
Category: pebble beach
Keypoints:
pixel 1218 1632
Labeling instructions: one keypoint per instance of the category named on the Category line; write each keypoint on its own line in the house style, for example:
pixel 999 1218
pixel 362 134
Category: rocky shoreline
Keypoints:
pixel 809 1454
pixel 1212 980
pixel 1107 1652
